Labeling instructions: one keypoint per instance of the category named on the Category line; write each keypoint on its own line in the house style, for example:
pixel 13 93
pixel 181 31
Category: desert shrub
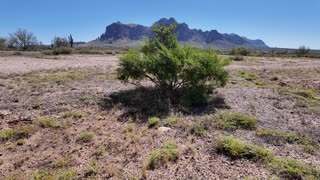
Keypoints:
pixel 174 68
pixel 153 122
pixel 306 94
pixel 3 43
pixel 237 58
pixel 17 133
pixel 233 120
pixel 249 76
pixel 278 137
pixel 85 137
pixel 47 52
pixel 62 50
pixel 92 169
pixel 293 169
pixel 20 142
pixel 199 129
pixel 239 51
pixel 171 121
pixel 236 148
pixel 302 51
pixel 73 114
pixel 89 51
pixel 47 122
pixel 42 175
pixel 62 162
pixel 59 42
pixel 168 152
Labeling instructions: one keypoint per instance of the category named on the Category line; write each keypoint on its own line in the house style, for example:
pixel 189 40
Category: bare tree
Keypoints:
pixel 70 38
pixel 22 39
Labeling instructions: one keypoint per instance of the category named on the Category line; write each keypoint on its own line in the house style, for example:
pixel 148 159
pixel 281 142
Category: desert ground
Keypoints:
pixel 68 117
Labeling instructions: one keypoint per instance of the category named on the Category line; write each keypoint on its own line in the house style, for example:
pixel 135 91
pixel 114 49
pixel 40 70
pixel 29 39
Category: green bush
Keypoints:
pixel 232 121
pixel 153 122
pixel 62 50
pixel 168 152
pixel 174 68
pixel 239 51
pixel 292 169
pixel 236 149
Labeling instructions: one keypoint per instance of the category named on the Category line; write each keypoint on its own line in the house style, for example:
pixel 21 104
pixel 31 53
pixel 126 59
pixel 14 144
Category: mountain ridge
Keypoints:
pixel 117 34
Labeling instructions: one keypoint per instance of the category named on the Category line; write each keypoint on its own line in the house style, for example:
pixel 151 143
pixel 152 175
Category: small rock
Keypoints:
pixel 4 113
pixel 163 129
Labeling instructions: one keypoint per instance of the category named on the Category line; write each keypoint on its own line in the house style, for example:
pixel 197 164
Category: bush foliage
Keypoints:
pixel 174 68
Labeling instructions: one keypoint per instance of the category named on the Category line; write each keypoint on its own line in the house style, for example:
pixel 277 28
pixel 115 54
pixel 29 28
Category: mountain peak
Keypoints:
pixel 135 32
pixel 166 22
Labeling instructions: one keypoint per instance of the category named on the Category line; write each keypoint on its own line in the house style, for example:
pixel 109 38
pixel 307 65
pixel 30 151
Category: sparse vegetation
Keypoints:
pixel 236 148
pixel 62 162
pixel 171 121
pixel 278 137
pixel 46 122
pixel 199 129
pixel 85 137
pixel 168 152
pixel 249 76
pixel 17 133
pixel 22 39
pixel 285 167
pixel 233 120
pixel 153 122
pixel 72 114
pixel 293 169
pixel 92 169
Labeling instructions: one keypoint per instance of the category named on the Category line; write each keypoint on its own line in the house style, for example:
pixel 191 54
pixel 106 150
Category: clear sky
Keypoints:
pixel 280 23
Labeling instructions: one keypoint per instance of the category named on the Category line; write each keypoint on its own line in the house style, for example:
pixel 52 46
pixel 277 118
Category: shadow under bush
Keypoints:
pixel 144 102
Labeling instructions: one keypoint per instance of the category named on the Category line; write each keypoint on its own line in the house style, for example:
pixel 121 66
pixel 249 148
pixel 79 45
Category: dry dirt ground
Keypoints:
pixel 72 118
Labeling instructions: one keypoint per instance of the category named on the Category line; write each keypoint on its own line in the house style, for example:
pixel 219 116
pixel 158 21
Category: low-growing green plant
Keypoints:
pixel 305 93
pixel 153 122
pixel 62 50
pixel 236 148
pixel 168 152
pixel 278 137
pixel 199 129
pixel 100 150
pixel 130 127
pixel 233 120
pixel 293 169
pixel 20 142
pixel 171 121
pixel 17 133
pixel 92 169
pixel 67 174
pixel 43 175
pixel 72 114
pixel 85 137
pixel 46 122
pixel 284 167
pixel 249 76
pixel 62 162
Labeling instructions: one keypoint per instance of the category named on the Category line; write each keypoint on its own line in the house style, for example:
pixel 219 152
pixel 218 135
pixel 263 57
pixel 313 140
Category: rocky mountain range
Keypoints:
pixel 130 35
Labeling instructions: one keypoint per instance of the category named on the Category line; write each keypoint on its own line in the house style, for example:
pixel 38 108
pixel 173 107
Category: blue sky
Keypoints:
pixel 280 23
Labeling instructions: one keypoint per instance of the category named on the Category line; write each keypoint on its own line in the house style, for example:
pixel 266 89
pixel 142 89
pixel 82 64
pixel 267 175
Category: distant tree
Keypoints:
pixel 60 42
pixel 239 51
pixel 2 43
pixel 302 51
pixel 70 38
pixel 22 39
pixel 181 71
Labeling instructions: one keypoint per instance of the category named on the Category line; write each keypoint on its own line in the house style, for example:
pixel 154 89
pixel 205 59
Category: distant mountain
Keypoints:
pixel 130 35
